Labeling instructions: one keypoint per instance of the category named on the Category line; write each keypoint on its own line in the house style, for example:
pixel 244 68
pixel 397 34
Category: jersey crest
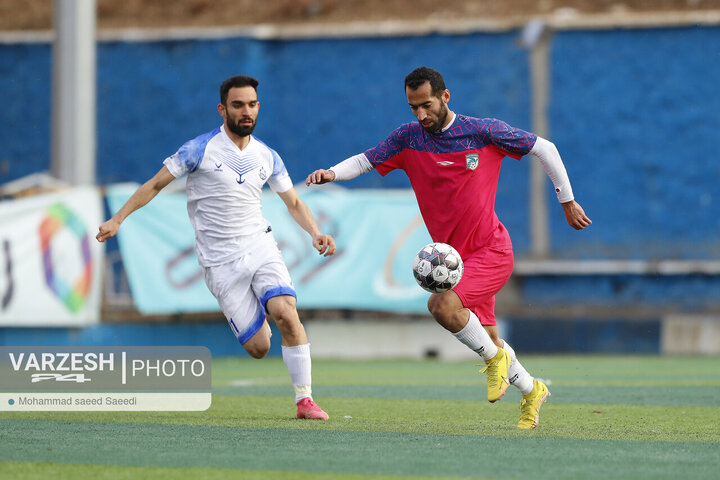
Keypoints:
pixel 471 161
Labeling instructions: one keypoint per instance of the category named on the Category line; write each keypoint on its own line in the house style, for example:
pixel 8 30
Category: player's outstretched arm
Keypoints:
pixel 347 169
pixel 575 215
pixel 319 177
pixel 324 244
pixel 141 197
pixel 548 155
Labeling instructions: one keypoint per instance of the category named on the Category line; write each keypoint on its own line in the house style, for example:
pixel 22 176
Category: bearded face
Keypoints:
pixel 430 110
pixel 240 110
pixel 436 119
pixel 242 126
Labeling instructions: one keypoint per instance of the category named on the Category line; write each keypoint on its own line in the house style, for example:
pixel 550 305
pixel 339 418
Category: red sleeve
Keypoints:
pixel 389 165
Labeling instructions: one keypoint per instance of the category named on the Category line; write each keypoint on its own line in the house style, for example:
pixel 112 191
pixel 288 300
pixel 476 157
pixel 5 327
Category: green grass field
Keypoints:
pixel 617 417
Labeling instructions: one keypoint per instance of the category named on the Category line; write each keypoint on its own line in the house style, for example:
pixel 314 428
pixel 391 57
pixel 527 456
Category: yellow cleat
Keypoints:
pixel 497 375
pixel 530 406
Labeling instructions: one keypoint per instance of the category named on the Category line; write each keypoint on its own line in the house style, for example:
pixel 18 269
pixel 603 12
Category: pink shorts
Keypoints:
pixel 486 272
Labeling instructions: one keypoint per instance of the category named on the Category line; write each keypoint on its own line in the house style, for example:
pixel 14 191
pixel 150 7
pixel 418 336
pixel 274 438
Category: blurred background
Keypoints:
pixel 95 94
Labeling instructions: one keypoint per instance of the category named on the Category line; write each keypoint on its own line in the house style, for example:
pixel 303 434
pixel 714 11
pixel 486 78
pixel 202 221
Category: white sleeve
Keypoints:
pixel 547 153
pixel 279 180
pixel 175 167
pixel 352 167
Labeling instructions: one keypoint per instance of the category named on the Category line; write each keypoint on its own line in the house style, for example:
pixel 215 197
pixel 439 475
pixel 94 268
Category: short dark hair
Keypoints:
pixel 425 74
pixel 236 81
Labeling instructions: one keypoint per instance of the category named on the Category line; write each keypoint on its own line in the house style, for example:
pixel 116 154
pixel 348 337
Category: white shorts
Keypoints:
pixel 243 286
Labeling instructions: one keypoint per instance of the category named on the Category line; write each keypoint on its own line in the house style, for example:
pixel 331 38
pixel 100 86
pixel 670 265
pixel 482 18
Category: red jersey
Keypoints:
pixel 454 175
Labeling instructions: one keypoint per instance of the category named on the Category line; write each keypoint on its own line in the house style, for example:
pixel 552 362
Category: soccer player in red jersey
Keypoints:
pixel 457 158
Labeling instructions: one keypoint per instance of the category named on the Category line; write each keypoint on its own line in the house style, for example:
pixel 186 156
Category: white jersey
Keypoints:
pixel 224 191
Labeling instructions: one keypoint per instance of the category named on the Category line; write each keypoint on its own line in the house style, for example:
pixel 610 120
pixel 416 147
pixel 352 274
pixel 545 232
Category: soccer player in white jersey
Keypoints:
pixel 243 267
pixel 453 163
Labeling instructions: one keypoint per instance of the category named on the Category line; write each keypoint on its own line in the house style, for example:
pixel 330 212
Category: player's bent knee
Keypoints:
pixel 439 306
pixel 281 307
pixel 283 315
pixel 257 351
pixel 259 345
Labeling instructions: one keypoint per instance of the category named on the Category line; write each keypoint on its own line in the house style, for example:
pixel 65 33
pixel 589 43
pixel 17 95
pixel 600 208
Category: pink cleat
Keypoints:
pixel 311 410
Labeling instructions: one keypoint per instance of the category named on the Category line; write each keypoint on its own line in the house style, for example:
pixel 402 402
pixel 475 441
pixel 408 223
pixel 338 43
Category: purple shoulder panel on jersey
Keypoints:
pixel 400 139
pixel 191 153
pixel 496 132
pixel 467 133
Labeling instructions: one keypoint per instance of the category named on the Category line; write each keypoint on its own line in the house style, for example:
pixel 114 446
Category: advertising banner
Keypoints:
pixel 157 244
pixel 50 264
pixel 377 235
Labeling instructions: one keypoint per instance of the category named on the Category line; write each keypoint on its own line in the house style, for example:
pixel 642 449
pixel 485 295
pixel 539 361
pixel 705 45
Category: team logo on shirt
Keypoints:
pixel 472 160
pixel 263 174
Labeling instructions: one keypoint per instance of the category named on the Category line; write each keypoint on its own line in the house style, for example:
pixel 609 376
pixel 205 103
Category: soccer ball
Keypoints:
pixel 437 267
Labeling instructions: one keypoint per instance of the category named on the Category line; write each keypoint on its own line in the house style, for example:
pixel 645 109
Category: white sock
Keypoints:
pixel 476 338
pixel 517 374
pixel 297 360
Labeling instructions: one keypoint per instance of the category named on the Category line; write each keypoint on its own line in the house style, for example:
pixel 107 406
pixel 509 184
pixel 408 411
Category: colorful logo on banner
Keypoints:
pixel 72 292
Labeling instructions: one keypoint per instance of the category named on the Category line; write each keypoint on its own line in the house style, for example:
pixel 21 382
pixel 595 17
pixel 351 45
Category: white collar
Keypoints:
pixel 449 124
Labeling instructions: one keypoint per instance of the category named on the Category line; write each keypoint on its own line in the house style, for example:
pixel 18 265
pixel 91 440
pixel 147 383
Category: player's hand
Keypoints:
pixel 107 230
pixel 575 215
pixel 319 177
pixel 325 244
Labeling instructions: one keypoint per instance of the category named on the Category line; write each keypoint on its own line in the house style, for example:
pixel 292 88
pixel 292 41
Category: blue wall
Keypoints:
pixel 689 293
pixel 25 113
pixel 321 101
pixel 606 335
pixel 635 114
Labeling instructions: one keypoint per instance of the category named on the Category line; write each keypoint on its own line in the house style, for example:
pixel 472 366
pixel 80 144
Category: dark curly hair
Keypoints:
pixel 236 81
pixel 425 74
